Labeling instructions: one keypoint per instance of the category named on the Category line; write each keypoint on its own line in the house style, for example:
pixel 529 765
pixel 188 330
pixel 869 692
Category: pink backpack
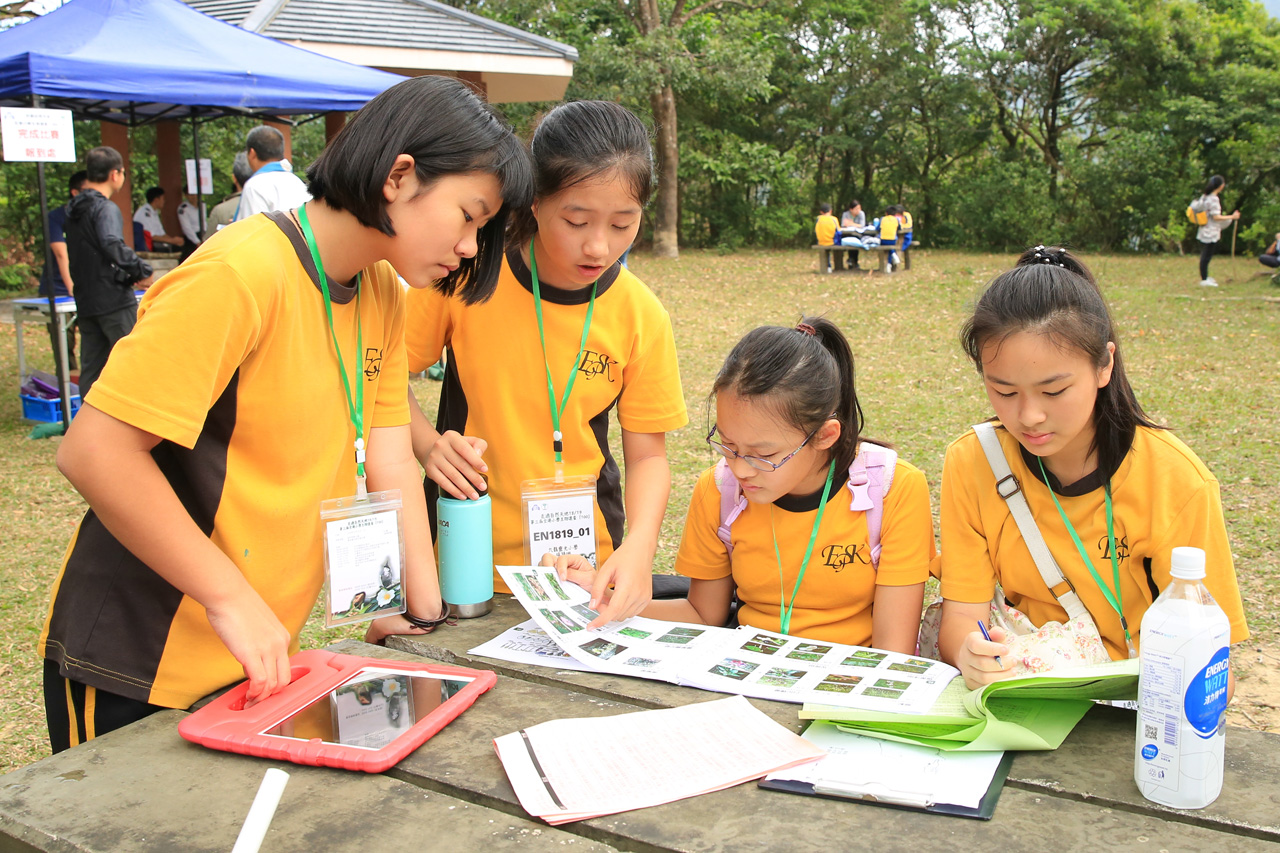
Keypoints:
pixel 870 477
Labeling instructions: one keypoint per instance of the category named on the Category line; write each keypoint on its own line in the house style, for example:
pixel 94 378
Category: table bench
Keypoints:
pixel 144 788
pixel 826 254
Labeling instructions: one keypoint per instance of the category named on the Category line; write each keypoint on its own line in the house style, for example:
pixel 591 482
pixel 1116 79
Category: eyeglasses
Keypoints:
pixel 756 462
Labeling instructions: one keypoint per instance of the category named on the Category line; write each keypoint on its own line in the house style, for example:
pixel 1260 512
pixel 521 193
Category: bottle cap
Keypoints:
pixel 1187 564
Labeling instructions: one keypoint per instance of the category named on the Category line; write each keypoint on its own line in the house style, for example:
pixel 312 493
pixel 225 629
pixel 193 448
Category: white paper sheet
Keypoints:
pixel 567 770
pixel 527 643
pixel 897 772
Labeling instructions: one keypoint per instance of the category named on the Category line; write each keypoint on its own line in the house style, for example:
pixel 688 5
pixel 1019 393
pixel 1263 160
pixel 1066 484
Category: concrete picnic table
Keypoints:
pixel 144 788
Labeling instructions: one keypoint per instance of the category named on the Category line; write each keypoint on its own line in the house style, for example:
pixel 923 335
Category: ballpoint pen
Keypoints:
pixel 983 628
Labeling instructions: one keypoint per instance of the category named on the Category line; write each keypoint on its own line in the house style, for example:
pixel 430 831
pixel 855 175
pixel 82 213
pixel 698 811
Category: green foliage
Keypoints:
pixel 16 278
pixel 996 122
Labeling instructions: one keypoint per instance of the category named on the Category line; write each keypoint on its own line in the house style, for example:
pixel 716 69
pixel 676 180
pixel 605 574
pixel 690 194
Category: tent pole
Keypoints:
pixel 195 151
pixel 60 357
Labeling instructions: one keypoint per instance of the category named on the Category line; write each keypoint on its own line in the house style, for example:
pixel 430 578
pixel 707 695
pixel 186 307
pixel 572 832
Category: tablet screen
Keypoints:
pixel 371 709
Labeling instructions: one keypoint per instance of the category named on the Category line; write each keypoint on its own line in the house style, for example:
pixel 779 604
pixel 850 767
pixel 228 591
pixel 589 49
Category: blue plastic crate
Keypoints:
pixel 46 411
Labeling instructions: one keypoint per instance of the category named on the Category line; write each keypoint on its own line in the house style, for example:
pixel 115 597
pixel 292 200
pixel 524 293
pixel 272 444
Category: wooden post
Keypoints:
pixel 475 81
pixel 333 124
pixel 287 130
pixel 172 173
pixel 117 136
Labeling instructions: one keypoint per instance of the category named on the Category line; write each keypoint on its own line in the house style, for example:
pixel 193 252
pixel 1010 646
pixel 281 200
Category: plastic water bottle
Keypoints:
pixel 464 534
pixel 1182 691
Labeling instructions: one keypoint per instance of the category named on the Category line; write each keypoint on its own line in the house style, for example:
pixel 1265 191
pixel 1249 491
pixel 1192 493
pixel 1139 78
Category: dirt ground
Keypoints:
pixel 1256 703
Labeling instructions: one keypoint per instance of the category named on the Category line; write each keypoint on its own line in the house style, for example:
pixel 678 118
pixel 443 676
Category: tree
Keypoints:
pixel 654 52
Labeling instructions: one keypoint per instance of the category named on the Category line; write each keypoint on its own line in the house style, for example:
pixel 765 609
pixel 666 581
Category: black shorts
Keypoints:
pixel 76 713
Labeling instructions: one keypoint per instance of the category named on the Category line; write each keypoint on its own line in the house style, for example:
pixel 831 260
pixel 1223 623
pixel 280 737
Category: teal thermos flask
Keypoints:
pixel 464 534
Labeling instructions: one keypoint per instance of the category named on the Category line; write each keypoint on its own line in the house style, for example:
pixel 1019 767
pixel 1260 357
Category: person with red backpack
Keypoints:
pixel 818 532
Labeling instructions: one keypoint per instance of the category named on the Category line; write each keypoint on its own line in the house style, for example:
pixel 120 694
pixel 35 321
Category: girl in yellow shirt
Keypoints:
pixel 1111 492
pixel 802 553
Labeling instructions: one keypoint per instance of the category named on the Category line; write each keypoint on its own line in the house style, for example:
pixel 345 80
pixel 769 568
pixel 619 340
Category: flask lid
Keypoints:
pixel 1187 564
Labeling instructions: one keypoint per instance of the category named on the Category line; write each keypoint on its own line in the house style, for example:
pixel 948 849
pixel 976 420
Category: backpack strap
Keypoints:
pixel 870 477
pixel 1008 487
pixel 732 502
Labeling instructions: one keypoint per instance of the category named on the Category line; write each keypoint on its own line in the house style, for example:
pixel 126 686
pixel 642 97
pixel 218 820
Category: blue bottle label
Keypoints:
pixel 1205 700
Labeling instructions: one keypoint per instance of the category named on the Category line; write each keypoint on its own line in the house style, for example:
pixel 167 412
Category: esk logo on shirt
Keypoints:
pixel 839 556
pixel 595 364
pixel 1122 549
pixel 372 363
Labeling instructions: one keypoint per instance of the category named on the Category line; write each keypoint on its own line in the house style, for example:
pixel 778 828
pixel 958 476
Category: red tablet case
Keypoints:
pixel 225 724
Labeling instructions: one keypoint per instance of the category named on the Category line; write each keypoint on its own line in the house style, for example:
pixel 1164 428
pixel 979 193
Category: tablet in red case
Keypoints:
pixel 341 711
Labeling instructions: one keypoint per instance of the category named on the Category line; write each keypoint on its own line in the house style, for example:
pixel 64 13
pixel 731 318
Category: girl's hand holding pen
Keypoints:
pixel 983 660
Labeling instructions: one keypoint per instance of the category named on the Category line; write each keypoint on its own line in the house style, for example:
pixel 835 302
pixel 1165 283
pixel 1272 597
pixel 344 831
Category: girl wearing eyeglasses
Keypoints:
pixel 800 550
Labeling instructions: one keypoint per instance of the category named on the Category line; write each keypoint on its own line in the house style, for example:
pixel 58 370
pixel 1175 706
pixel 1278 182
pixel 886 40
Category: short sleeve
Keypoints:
pixel 702 555
pixel 428 327
pixel 906 530
pixel 652 396
pixel 391 408
pixel 57 225
pixel 145 386
pixel 1200 524
pixel 968 574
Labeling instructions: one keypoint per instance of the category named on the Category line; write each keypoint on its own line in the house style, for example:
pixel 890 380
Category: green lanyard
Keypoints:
pixel 1113 598
pixel 784 616
pixel 557 437
pixel 356 408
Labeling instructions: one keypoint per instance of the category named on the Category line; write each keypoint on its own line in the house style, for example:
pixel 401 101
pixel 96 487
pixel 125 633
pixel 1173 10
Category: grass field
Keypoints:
pixel 1202 361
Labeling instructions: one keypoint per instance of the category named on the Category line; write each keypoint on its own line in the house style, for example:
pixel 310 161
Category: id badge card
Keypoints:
pixel 559 517
pixel 363 557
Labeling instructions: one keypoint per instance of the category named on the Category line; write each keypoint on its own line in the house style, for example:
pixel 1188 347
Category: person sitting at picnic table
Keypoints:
pixel 827 229
pixel 853 223
pixel 887 227
pixel 905 226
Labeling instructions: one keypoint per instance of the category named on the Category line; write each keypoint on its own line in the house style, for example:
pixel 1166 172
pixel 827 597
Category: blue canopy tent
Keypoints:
pixel 137 61
pixel 134 61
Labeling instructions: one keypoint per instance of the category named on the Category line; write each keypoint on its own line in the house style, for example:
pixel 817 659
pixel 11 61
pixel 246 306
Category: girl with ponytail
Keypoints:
pixel 822 534
pixel 1111 492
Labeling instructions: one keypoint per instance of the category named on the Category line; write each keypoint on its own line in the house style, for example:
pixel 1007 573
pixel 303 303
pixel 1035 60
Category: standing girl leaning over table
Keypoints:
pixel 569 340
pixel 234 408
pixel 1111 492
pixel 799 491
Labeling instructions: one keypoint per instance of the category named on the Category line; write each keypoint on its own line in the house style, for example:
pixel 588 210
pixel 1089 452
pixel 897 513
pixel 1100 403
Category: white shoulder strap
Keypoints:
pixel 1008 487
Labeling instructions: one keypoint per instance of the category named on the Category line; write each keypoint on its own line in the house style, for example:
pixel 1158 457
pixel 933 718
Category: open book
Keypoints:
pixel 1034 712
pixel 745 661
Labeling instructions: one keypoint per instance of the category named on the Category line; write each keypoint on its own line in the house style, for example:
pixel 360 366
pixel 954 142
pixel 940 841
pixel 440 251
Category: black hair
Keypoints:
pixel 100 162
pixel 1214 182
pixel 853 204
pixel 76 181
pixel 824 208
pixel 580 141
pixel 447 130
pixel 266 143
pixel 154 193
pixel 806 373
pixel 240 171
pixel 1051 292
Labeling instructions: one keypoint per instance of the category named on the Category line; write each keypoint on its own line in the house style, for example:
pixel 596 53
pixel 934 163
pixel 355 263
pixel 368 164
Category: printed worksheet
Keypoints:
pixel 527 643
pixel 745 661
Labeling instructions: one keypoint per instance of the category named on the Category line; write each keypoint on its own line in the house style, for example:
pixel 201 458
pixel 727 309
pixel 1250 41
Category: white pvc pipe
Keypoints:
pixel 260 813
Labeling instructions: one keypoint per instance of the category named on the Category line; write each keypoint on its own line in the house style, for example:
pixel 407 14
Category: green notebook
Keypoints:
pixel 1034 712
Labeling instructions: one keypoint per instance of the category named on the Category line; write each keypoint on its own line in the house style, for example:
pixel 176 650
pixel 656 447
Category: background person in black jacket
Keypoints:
pixel 103 268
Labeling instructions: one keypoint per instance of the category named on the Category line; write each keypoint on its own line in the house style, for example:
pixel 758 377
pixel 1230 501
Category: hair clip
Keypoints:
pixel 807 329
